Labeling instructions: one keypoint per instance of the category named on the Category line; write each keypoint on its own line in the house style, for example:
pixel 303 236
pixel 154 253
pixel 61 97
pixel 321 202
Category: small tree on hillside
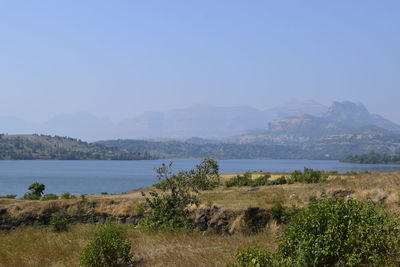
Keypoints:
pixel 36 189
pixel 169 209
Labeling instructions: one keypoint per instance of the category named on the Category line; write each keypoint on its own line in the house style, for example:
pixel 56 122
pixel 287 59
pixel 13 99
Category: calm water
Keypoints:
pixel 91 177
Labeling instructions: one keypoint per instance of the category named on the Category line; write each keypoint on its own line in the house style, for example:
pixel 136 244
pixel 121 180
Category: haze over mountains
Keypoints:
pixel 197 120
pixel 295 121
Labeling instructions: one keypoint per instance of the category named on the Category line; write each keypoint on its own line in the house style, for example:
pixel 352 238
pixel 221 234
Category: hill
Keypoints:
pixel 345 129
pixel 29 147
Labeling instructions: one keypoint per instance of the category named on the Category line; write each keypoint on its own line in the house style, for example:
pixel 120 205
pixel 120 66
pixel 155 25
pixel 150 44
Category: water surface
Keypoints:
pixel 94 177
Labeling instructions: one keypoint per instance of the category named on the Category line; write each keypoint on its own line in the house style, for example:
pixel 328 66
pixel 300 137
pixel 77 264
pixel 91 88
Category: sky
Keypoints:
pixel 118 59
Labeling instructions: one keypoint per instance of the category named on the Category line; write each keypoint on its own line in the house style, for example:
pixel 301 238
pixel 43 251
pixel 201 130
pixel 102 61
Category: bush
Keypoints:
pixel 282 214
pixel 339 232
pixel 36 191
pixel 252 256
pixel 9 196
pixel 240 180
pixel 246 180
pixel 170 210
pixel 59 222
pixel 107 248
pixel 309 176
pixel 204 176
pixel 67 196
pixel 50 197
pixel 280 180
pixel 262 180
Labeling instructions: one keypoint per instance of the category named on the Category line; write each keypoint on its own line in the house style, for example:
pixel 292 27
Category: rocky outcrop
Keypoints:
pixel 214 219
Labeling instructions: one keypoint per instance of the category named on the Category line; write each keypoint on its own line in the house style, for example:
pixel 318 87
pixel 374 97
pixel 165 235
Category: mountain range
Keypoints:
pixel 198 120
pixel 344 129
pixel 297 130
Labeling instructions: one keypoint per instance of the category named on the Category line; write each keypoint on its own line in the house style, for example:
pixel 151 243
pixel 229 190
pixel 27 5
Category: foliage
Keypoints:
pixel 282 214
pixel 252 256
pixel 339 232
pixel 107 248
pixel 261 180
pixel 240 180
pixel 309 176
pixel 246 180
pixel 281 180
pixel 59 222
pixel 169 209
pixel 9 196
pixel 50 197
pixel 67 196
pixel 373 158
pixel 15 147
pixel 204 176
pixel 36 191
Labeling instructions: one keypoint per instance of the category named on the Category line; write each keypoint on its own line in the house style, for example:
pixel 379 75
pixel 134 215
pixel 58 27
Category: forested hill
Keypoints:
pixel 374 158
pixel 31 147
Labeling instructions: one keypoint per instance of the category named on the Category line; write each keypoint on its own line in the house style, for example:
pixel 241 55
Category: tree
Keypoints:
pixel 36 189
pixel 169 209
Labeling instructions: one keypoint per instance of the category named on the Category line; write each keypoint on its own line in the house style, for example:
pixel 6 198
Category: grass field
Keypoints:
pixel 39 246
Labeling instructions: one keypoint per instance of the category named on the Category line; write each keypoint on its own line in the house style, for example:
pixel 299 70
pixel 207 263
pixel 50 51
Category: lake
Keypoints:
pixel 94 177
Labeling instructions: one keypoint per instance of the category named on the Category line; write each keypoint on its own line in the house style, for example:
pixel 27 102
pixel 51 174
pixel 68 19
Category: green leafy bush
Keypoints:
pixel 282 214
pixel 36 191
pixel 204 176
pixel 339 232
pixel 261 180
pixel 107 248
pixel 240 180
pixel 252 256
pixel 59 222
pixel 49 197
pixel 9 196
pixel 170 209
pixel 281 180
pixel 246 180
pixel 67 196
pixel 309 176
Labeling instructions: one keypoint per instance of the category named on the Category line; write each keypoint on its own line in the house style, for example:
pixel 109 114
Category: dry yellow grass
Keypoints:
pixel 34 247
pixel 39 247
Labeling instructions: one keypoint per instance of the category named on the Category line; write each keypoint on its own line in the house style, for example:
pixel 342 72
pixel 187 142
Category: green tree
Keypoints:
pixel 36 189
pixel 169 209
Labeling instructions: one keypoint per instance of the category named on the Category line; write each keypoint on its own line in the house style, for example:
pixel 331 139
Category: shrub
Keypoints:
pixel 309 176
pixel 262 180
pixel 50 197
pixel 169 210
pixel 339 232
pixel 252 256
pixel 59 222
pixel 67 196
pixel 280 180
pixel 36 191
pixel 282 214
pixel 240 180
pixel 204 176
pixel 10 196
pixel 107 248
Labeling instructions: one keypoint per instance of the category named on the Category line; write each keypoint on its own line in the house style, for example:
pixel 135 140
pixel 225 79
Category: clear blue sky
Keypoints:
pixel 121 58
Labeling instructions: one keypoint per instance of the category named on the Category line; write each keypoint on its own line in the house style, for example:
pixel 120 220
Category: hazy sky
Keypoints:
pixel 121 58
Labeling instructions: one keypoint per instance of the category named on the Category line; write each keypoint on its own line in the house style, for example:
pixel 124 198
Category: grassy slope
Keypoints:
pixel 39 247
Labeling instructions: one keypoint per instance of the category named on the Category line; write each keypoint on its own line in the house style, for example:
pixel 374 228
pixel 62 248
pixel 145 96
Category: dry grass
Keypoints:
pixel 39 247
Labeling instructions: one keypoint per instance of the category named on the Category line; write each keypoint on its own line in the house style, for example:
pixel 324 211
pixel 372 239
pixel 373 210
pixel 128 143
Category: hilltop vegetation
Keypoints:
pixel 30 147
pixel 374 158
